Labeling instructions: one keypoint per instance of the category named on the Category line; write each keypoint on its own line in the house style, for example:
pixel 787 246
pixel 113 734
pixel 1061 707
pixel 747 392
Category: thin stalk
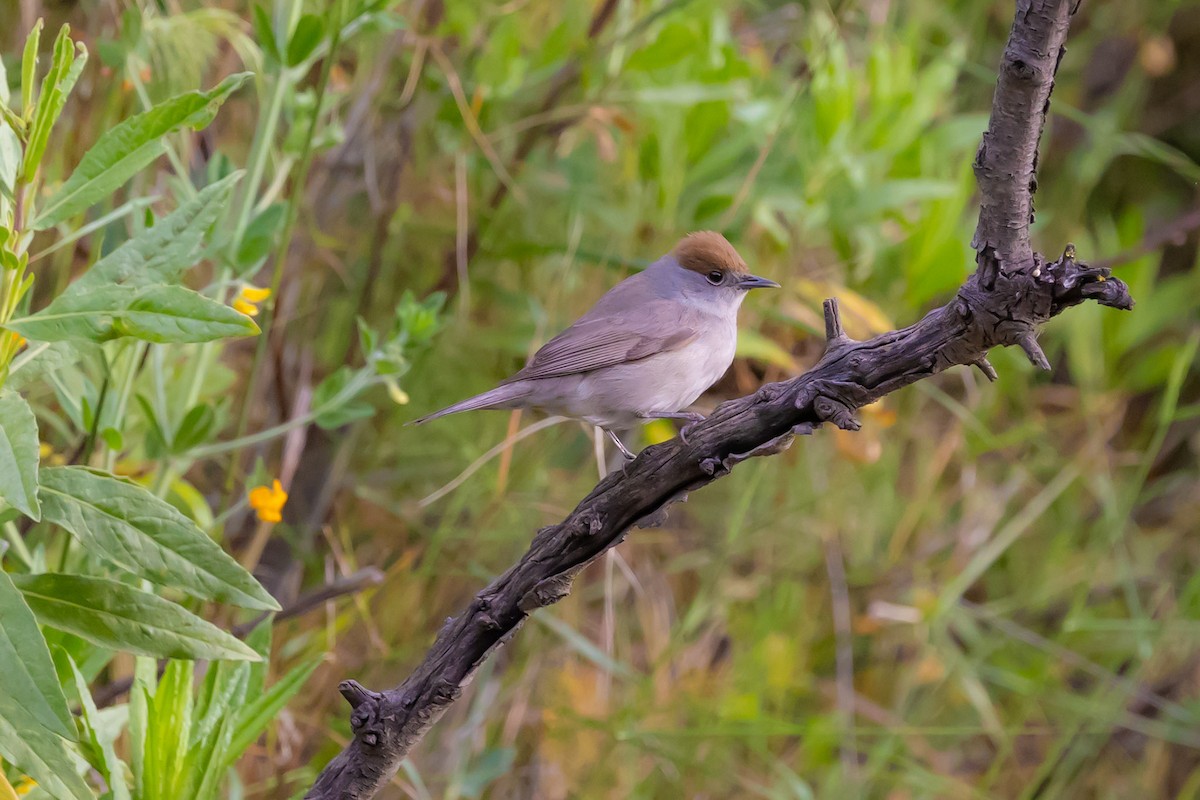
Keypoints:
pixel 172 154
pixel 350 390
pixel 301 178
pixel 18 544
pixel 137 352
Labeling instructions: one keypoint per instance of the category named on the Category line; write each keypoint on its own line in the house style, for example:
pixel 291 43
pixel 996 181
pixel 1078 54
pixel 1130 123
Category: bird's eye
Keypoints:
pixel 715 277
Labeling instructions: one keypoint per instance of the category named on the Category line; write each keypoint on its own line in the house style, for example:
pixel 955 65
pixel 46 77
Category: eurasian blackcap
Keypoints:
pixel 646 350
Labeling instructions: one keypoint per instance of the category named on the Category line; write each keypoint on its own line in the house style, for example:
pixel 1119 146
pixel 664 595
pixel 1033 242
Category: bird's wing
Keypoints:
pixel 596 342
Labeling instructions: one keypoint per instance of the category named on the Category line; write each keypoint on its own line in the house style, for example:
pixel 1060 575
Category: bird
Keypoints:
pixel 646 350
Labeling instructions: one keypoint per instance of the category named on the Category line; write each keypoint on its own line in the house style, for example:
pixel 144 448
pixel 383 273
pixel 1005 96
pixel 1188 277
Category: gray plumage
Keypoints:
pixel 648 348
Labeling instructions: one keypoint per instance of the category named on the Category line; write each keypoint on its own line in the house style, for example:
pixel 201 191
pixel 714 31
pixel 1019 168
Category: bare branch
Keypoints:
pixel 1012 293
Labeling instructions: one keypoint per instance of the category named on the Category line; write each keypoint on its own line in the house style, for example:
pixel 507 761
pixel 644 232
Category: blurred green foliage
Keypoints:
pixel 989 592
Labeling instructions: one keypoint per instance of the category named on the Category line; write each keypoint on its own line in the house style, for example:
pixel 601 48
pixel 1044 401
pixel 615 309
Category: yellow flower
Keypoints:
pixel 268 501
pixel 248 298
pixel 255 294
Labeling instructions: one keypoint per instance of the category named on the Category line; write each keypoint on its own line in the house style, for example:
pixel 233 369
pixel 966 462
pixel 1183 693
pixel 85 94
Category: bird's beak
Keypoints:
pixel 755 282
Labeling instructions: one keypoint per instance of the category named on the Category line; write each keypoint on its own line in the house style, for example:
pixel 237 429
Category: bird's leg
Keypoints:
pixel 620 445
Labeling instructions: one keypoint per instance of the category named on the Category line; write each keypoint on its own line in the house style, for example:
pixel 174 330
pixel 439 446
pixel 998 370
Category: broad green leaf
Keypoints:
pixel 129 527
pixel 104 756
pixel 69 59
pixel 152 313
pixel 305 39
pixel 123 151
pixel 29 677
pixel 42 755
pixel 255 717
pixel 19 455
pixel 111 614
pixel 176 314
pixel 162 253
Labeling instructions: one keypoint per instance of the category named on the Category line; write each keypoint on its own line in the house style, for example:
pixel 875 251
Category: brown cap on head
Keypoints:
pixel 704 251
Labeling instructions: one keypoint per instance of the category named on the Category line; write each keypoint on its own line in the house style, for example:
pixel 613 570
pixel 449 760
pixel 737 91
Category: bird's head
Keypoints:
pixel 706 268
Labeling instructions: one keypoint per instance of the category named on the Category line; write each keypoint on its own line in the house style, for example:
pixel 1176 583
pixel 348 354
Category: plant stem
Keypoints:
pixel 351 389
pixel 18 544
pixel 301 178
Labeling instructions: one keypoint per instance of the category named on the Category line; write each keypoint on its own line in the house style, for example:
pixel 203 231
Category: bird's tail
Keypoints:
pixel 503 396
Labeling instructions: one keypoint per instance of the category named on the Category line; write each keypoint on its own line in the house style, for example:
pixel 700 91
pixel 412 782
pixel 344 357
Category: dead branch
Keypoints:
pixel 1012 293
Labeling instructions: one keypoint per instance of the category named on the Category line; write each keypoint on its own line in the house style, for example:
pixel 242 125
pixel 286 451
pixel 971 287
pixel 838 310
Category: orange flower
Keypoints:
pixel 268 502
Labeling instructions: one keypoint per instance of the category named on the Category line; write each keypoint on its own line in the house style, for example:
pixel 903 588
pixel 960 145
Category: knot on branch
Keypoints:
pixel 770 392
pixel 1021 70
pixel 592 522
pixel 1075 281
pixel 831 409
pixel 366 714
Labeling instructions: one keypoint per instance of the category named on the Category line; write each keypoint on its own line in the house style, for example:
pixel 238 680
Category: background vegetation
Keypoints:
pixel 989 592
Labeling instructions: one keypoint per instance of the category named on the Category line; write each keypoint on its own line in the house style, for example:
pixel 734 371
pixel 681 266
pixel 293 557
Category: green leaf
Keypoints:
pixel 129 527
pixel 170 723
pixel 10 160
pixel 111 614
pixel 19 455
pixel 260 236
pixel 162 253
pixel 204 764
pixel 176 314
pixel 305 39
pixel 155 441
pixel 123 151
pixel 29 61
pixel 194 429
pixel 41 359
pixel 152 313
pixel 255 717
pixel 104 755
pixel 262 30
pixel 45 757
pixel 345 410
pixel 145 678
pixel 29 677
pixel 68 62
